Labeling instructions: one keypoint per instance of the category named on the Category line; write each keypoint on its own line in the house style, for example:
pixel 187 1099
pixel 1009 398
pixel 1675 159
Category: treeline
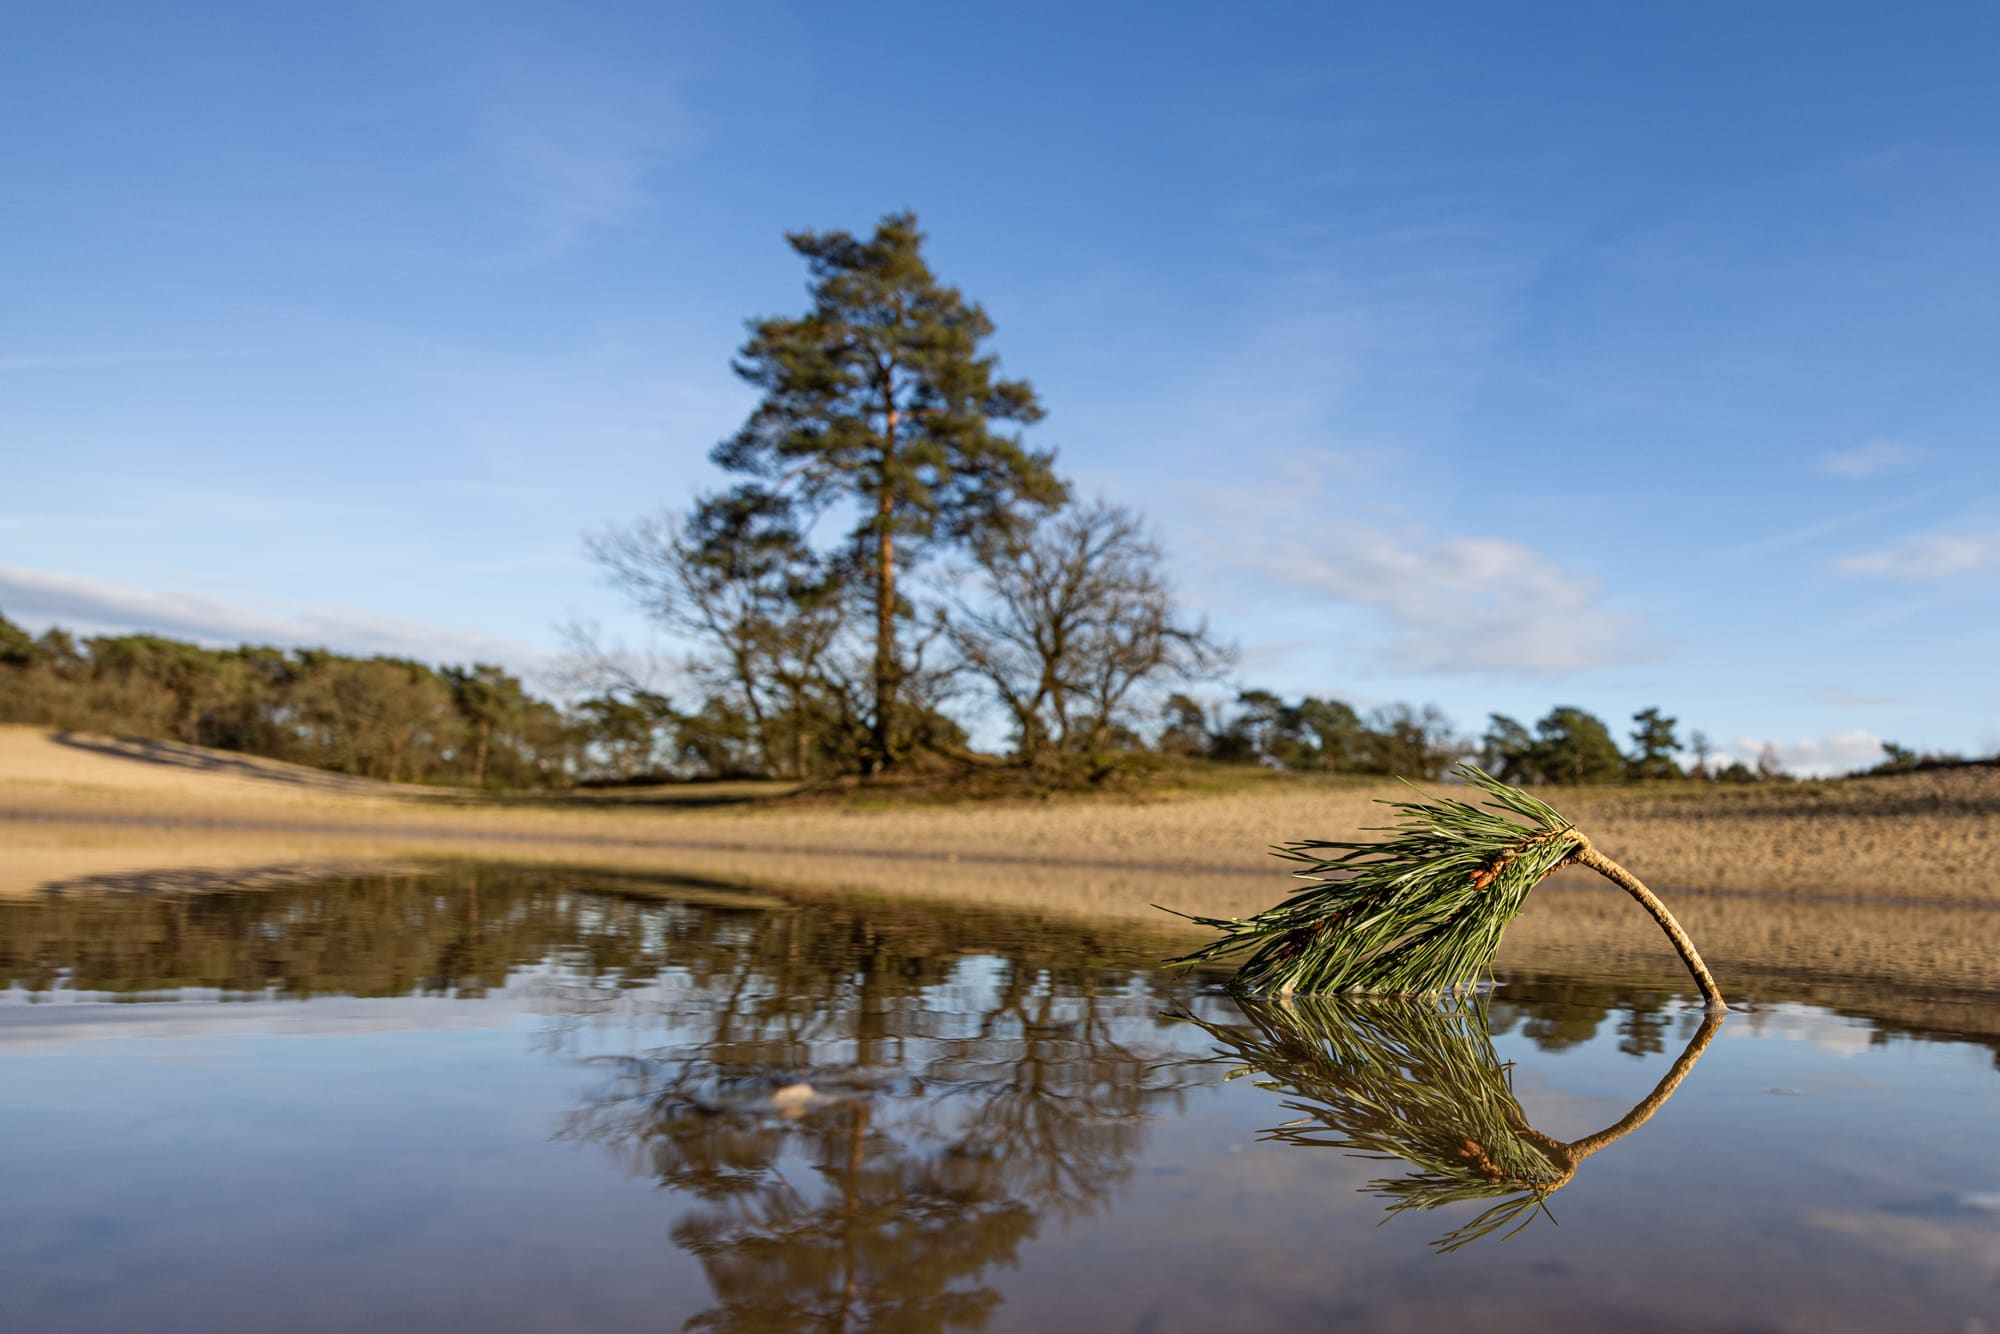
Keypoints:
pixel 1311 735
pixel 404 721
pixel 374 717
pixel 1568 745
pixel 386 718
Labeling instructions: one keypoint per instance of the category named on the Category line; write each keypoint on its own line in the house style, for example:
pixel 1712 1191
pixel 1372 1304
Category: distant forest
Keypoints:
pixel 404 721
pixel 377 717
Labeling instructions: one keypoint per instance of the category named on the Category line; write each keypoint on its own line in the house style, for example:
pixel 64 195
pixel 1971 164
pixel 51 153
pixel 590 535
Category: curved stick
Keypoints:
pixel 1586 854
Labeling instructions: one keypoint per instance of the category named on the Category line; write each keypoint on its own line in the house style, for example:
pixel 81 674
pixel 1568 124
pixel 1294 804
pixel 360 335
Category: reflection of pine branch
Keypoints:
pixel 1421 912
pixel 1419 1082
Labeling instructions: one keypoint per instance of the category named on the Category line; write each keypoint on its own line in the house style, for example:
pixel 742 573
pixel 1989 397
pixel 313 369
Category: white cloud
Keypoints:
pixel 1936 557
pixel 1869 460
pixel 575 178
pixel 1833 754
pixel 38 598
pixel 1329 523
pixel 1478 605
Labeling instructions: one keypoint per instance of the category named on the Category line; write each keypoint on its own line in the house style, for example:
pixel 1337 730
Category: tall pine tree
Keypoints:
pixel 1653 745
pixel 881 396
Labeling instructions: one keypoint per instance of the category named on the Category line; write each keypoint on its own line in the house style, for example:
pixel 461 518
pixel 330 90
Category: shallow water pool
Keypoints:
pixel 489 1099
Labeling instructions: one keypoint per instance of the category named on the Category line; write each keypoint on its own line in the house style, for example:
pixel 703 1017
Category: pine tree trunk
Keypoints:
pixel 885 606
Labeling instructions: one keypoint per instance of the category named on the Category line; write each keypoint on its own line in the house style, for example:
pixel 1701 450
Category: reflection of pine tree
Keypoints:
pixel 1419 1081
pixel 941 1134
pixel 1641 1033
pixel 895 1240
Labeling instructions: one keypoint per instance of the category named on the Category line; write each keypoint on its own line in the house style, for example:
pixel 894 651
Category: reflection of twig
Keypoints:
pixel 1420 1082
pixel 1711 1024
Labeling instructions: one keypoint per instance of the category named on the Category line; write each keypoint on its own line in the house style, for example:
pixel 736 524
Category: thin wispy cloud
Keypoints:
pixel 1823 757
pixel 1354 353
pixel 1812 532
pixel 224 502
pixel 1938 556
pixel 578 142
pixel 39 361
pixel 1870 460
pixel 1842 698
pixel 1481 606
pixel 578 176
pixel 78 603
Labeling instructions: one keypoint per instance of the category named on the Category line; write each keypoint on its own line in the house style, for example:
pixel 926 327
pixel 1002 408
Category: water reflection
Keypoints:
pixel 659 1103
pixel 461 933
pixel 1420 1082
pixel 862 1150
pixel 861 1111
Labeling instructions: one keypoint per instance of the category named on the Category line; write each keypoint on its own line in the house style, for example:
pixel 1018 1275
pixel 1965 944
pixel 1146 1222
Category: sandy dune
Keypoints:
pixel 1925 836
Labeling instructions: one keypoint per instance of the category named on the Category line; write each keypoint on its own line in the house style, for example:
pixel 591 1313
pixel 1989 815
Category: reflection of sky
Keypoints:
pixel 1835 1035
pixel 192 1014
pixel 199 1158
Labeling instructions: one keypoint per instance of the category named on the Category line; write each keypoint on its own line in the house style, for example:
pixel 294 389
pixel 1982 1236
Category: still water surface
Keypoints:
pixel 499 1100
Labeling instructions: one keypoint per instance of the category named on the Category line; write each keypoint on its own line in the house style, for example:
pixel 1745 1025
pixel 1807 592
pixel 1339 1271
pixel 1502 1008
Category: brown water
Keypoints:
pixel 528 1101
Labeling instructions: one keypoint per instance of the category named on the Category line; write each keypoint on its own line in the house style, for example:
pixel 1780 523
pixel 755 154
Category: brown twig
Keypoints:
pixel 1586 854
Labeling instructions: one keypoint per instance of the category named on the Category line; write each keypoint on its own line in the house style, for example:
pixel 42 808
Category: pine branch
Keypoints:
pixel 1421 912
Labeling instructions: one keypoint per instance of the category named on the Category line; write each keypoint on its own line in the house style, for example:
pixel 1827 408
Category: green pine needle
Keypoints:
pixel 1419 913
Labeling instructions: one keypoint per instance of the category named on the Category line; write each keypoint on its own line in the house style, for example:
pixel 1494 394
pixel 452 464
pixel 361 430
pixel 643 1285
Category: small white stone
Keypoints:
pixel 793 1095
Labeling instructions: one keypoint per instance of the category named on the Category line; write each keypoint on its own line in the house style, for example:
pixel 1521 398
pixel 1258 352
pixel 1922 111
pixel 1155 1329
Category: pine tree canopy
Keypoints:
pixel 881 397
pixel 882 394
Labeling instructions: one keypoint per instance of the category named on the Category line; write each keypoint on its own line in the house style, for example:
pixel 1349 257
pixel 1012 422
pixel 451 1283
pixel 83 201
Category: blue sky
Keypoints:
pixel 1494 356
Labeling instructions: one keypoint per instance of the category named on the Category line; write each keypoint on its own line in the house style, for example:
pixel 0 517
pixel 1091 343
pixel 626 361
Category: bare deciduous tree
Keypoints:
pixel 1069 621
pixel 739 578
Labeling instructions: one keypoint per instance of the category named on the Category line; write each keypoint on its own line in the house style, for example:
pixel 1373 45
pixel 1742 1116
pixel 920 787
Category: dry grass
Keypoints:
pixel 1926 836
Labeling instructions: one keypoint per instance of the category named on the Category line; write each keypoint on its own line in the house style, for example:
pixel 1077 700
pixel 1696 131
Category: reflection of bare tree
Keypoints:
pixel 1047 1075
pixel 1420 1082
pixel 864 1136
